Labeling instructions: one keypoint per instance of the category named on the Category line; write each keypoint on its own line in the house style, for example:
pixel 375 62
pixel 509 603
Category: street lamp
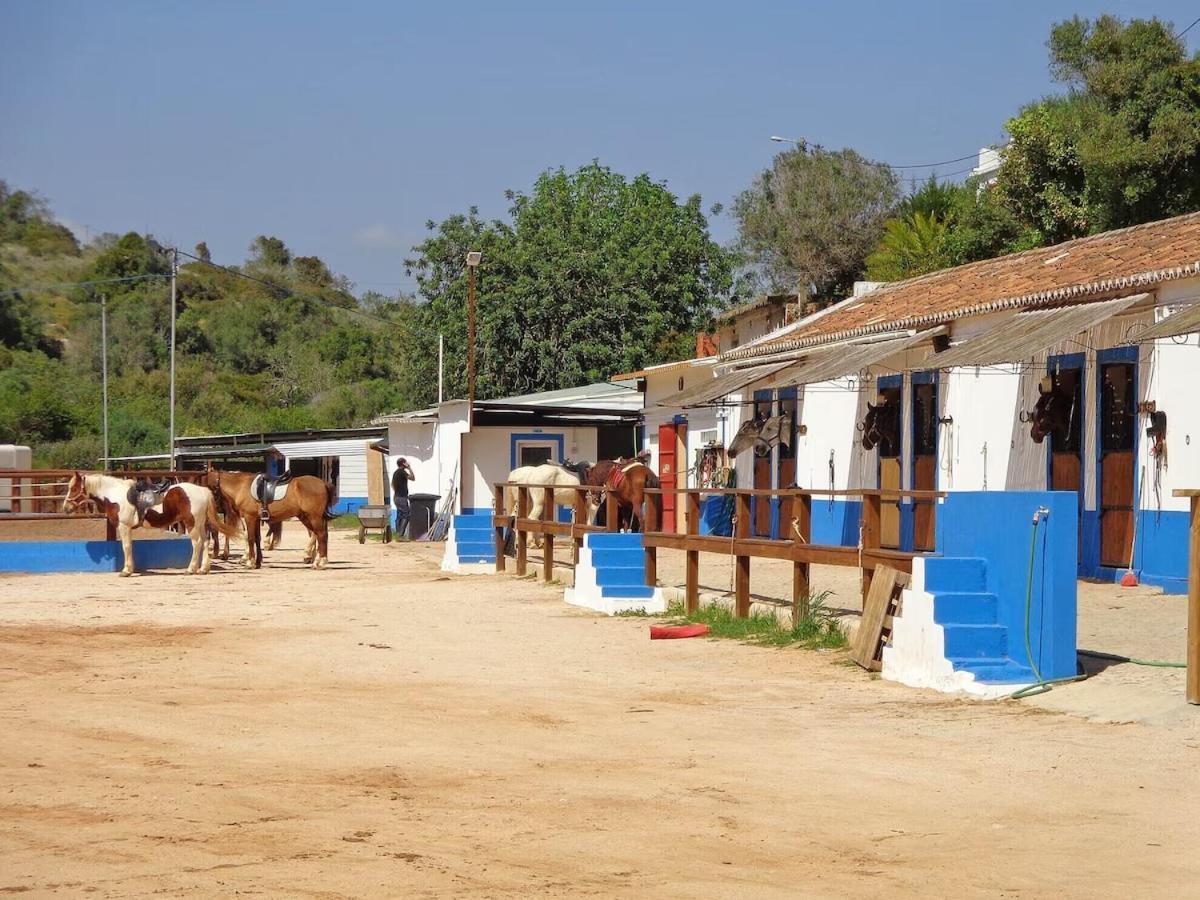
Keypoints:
pixel 474 257
pixel 799 142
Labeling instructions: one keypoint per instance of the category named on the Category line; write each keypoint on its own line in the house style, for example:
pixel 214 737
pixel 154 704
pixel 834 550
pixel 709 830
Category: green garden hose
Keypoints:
pixel 1043 685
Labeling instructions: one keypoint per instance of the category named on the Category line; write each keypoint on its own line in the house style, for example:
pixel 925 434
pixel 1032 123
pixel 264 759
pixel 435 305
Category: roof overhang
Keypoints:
pixel 1185 320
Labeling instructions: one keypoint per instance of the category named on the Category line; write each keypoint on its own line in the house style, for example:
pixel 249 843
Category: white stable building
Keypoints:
pixel 1107 323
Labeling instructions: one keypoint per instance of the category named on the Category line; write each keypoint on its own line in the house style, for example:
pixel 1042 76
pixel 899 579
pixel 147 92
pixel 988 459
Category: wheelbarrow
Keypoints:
pixel 374 518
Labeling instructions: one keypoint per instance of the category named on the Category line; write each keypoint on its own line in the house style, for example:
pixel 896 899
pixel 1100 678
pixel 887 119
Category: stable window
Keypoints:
pixel 534 453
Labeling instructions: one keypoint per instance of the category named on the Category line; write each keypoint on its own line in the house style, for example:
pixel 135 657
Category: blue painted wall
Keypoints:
pixel 92 556
pixel 349 504
pixel 1162 549
pixel 1004 544
pixel 836 522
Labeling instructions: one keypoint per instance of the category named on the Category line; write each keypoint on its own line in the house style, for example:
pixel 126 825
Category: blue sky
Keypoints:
pixel 343 127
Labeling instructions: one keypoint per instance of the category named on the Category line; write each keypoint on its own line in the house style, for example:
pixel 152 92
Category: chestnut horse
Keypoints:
pixel 187 505
pixel 880 427
pixel 308 499
pixel 274 529
pixel 627 481
pixel 1054 411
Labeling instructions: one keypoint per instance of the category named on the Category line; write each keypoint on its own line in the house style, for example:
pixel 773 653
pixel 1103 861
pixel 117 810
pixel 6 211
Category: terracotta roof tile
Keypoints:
pixel 1095 266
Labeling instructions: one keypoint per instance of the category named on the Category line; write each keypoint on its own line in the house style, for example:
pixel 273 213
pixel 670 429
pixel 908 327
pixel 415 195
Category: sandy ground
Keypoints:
pixel 380 729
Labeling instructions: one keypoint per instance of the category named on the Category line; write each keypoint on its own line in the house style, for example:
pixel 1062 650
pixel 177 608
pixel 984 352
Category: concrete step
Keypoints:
pixel 988 670
pixel 975 608
pixel 627 591
pixel 604 557
pixel 609 541
pixel 955 573
pixel 475 548
pixel 613 576
pixel 976 641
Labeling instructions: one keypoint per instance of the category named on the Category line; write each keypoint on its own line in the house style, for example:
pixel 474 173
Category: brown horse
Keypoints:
pixel 308 499
pixel 274 529
pixel 1055 410
pixel 881 428
pixel 627 481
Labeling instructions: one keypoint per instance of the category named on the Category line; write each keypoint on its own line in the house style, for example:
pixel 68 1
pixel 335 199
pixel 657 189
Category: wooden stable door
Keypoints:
pixel 890 469
pixel 667 436
pixel 1118 421
pixel 762 472
pixel 1066 441
pixel 924 463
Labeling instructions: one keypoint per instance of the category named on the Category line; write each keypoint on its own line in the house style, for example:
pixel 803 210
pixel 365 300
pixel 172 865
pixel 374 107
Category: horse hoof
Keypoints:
pixel 124 574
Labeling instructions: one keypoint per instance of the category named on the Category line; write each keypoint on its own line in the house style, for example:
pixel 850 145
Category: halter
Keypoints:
pixel 77 495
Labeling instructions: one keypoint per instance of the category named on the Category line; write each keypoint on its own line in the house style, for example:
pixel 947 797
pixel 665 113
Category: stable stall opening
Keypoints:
pixel 1118 438
pixel 924 455
pixel 890 446
pixel 1066 443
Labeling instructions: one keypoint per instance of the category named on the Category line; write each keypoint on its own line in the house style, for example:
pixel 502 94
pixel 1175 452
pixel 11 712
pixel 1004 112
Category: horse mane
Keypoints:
pixel 107 487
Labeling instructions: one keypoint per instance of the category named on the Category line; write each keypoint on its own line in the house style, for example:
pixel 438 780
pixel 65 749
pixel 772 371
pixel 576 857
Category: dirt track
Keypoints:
pixel 382 730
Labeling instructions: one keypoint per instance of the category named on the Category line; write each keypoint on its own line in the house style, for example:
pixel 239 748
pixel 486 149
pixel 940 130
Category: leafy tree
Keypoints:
pixel 270 251
pixel 129 257
pixel 202 251
pixel 812 218
pixel 25 219
pixel 589 275
pixel 1122 147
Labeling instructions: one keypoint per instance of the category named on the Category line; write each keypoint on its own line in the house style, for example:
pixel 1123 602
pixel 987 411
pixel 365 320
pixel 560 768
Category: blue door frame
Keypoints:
pixel 908 519
pixel 1089 534
pixel 1104 357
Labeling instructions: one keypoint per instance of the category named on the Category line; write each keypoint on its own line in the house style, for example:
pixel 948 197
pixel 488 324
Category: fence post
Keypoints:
pixel 653 517
pixel 1193 626
pixel 801 536
pixel 741 584
pixel 549 514
pixel 611 511
pixel 501 511
pixel 872 517
pixel 580 517
pixel 522 534
pixel 691 527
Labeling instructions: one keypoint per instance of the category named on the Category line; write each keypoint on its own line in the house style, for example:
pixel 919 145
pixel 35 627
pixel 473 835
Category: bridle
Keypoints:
pixel 77 494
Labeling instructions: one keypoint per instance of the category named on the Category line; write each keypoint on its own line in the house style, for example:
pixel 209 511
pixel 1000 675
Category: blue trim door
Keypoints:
pixel 1116 455
pixel 1065 470
pixel 889 469
pixel 923 475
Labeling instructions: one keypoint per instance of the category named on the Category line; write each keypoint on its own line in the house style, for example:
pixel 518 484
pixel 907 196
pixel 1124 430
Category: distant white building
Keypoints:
pixel 988 166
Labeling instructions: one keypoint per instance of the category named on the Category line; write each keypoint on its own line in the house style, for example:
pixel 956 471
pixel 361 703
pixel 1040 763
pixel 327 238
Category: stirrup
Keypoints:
pixel 264 515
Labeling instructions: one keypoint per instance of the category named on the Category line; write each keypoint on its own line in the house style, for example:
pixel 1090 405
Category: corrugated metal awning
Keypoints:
pixel 710 389
pixel 847 359
pixel 1029 333
pixel 1183 321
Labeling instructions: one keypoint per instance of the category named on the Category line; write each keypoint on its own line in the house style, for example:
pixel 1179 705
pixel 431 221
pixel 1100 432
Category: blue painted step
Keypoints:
pixel 609 541
pixel 955 573
pixel 477 550
pixel 603 557
pixel 972 641
pixel 621 576
pixel 630 592
pixel 994 671
pixel 977 608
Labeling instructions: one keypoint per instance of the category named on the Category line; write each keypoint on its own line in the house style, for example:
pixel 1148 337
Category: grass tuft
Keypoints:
pixel 636 613
pixel 816 631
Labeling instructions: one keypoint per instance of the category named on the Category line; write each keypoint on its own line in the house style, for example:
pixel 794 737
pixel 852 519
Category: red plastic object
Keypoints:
pixel 670 632
pixel 1129 579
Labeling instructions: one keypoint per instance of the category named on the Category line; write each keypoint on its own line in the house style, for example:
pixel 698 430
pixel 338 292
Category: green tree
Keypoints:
pixel 1122 147
pixel 270 251
pixel 588 276
pixel 812 218
pixel 910 246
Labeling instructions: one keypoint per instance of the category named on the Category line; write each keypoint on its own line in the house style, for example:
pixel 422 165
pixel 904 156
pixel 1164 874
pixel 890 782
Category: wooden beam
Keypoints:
pixel 549 511
pixel 500 523
pixel 692 533
pixel 801 525
pixel 741 575
pixel 1193 629
pixel 522 535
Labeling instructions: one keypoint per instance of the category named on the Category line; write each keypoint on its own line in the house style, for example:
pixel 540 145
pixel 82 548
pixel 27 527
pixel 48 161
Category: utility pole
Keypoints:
pixel 104 368
pixel 441 359
pixel 174 273
pixel 473 260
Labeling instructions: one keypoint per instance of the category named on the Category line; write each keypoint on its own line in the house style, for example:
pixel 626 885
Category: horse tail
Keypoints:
pixel 225 528
pixel 331 499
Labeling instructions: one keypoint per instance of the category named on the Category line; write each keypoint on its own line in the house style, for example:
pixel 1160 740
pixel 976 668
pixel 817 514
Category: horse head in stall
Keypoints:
pixel 879 427
pixel 1053 412
pixel 747 436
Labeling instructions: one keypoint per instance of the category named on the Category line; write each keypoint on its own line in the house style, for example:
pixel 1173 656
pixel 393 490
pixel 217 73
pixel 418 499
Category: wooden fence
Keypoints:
pixel 794 545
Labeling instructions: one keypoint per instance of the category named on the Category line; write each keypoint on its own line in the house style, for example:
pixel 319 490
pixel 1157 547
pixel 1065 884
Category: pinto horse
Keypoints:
pixel 187 505
pixel 308 499
pixel 627 483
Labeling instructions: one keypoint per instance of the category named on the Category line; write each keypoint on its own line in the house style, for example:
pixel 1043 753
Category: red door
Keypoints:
pixel 666 473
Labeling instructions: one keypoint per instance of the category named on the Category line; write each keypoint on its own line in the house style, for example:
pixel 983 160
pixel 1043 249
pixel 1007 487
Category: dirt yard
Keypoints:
pixel 380 729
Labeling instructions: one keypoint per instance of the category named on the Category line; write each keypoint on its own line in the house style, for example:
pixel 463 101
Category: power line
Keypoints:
pixel 1189 28
pixel 73 284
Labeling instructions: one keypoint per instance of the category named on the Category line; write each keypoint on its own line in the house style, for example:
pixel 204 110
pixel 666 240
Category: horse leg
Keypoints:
pixel 310 546
pixel 322 535
pixel 250 521
pixel 126 538
pixel 535 512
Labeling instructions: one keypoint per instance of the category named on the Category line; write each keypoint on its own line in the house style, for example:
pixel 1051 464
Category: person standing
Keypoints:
pixel 400 479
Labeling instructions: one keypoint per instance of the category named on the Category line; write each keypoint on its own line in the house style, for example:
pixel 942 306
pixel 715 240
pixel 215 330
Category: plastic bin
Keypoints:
pixel 716 515
pixel 423 512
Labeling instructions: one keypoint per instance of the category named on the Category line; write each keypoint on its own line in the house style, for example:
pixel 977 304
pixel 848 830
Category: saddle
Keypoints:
pixel 145 494
pixel 266 489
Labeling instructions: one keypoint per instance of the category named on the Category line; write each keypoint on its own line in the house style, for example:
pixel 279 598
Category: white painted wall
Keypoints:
pixel 415 442
pixel 352 465
pixel 489 455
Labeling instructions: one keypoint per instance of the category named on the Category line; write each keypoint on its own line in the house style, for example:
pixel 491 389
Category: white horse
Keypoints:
pixel 188 505
pixel 536 478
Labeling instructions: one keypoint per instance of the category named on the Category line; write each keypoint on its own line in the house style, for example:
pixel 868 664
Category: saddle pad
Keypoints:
pixel 278 491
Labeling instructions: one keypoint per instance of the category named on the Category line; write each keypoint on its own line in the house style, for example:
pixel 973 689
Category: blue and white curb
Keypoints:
pixel 610 577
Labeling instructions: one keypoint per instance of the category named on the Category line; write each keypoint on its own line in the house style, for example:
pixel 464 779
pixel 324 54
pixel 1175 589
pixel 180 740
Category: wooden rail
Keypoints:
pixel 547 525
pixel 1193 632
pixel 42 491
pixel 795 517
